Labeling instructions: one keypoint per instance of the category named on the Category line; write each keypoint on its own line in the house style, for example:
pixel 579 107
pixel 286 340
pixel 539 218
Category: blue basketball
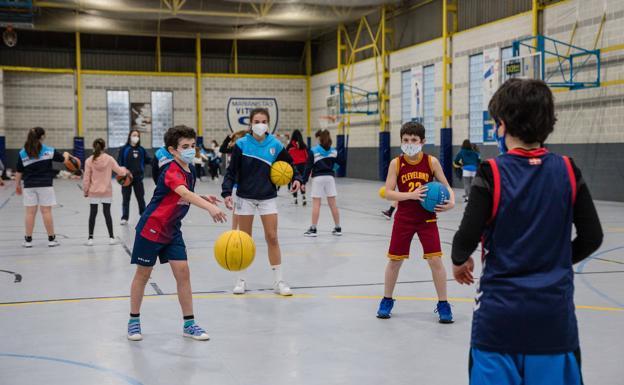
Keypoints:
pixel 436 194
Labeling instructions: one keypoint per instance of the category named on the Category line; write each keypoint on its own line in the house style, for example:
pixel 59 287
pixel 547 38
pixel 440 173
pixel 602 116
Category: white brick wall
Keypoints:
pixel 46 100
pixel 289 93
pixel 590 115
pixel 140 88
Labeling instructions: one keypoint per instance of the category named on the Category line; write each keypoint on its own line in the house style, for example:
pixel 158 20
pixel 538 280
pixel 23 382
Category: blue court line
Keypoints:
pixel 121 376
pixel 581 267
pixel 7 200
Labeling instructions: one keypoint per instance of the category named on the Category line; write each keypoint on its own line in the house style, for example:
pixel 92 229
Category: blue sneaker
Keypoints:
pixel 385 308
pixel 134 331
pixel 444 313
pixel 195 332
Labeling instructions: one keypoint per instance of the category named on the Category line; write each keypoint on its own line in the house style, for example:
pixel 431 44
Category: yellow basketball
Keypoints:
pixel 281 173
pixel 382 192
pixel 234 250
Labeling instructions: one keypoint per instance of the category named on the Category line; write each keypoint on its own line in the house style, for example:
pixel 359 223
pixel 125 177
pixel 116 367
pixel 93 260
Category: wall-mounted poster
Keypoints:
pixel 417 94
pixel 491 82
pixel 118 117
pixel 238 110
pixel 162 116
pixel 141 117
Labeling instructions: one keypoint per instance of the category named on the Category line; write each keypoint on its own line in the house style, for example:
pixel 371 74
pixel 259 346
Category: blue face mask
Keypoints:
pixel 500 141
pixel 187 155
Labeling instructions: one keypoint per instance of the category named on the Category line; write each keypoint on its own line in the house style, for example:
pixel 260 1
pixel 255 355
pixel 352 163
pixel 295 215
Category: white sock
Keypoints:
pixel 277 273
pixel 241 275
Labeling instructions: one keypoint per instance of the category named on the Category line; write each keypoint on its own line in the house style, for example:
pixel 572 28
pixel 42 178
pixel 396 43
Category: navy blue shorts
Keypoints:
pixel 145 252
pixel 491 368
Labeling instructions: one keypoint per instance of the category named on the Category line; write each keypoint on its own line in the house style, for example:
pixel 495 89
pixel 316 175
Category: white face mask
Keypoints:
pixel 259 129
pixel 134 139
pixel 411 149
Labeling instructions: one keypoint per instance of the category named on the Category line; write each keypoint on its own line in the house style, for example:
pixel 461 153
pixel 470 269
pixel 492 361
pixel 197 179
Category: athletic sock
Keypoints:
pixel 134 318
pixel 28 238
pixel 51 237
pixel 442 301
pixel 189 320
pixel 391 209
pixel 313 227
pixel 277 272
pixel 387 297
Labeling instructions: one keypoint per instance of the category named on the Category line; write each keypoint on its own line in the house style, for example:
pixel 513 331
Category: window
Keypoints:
pixel 118 117
pixel 475 99
pixel 506 53
pixel 162 116
pixel 406 96
pixel 429 103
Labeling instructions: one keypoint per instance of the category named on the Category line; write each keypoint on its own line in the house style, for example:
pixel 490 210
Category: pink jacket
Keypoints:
pixel 98 175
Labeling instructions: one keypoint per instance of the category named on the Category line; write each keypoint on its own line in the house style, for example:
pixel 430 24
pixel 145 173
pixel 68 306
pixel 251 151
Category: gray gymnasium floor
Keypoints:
pixel 65 322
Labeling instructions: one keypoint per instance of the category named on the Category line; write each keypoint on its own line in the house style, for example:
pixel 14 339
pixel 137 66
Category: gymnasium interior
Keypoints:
pixel 88 69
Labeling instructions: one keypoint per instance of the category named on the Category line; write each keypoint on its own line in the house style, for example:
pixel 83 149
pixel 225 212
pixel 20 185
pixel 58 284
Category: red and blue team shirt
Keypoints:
pixel 162 218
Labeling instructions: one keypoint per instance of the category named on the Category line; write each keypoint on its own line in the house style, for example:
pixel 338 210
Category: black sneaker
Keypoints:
pixel 311 232
pixel 337 231
pixel 387 214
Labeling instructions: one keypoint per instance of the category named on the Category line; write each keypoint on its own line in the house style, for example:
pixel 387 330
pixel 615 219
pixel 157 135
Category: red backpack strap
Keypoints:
pixel 497 188
pixel 571 176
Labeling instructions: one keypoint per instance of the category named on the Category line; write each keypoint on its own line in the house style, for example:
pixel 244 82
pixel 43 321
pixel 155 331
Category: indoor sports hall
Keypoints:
pixel 129 106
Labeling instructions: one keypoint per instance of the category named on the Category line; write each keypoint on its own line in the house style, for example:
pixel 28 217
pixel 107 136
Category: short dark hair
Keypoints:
pixel 526 107
pixel 466 145
pixel 257 111
pixel 173 135
pixel 413 128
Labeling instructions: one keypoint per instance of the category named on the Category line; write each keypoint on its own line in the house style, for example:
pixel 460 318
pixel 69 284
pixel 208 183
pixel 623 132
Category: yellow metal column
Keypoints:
pixel 158 59
pixel 536 8
pixel 447 61
pixel 308 68
pixel 341 76
pixel 384 97
pixel 235 49
pixel 78 86
pixel 198 84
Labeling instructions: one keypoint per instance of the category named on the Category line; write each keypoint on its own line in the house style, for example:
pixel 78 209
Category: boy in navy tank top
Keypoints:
pixel 408 175
pixel 522 206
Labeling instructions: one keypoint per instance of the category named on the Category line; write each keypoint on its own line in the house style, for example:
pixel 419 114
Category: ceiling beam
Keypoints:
pixel 143 10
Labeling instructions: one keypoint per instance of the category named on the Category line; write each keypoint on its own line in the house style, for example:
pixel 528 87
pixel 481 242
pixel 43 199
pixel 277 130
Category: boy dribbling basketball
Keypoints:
pixel 410 172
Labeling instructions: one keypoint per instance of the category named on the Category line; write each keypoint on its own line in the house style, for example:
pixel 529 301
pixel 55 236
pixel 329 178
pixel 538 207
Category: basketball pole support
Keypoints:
pixel 198 90
pixel 347 49
pixel 78 147
pixel 449 7
pixel 308 67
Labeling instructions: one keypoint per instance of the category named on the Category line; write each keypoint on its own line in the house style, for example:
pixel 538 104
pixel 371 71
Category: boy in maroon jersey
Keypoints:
pixel 409 173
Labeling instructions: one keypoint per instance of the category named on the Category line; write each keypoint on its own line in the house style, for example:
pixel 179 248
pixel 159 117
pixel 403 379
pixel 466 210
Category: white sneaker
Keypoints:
pixel 123 222
pixel 53 243
pixel 27 244
pixel 240 287
pixel 112 241
pixel 89 242
pixel 282 288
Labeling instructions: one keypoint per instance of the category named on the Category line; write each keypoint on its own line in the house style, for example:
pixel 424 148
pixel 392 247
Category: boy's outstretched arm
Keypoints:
pixel 194 199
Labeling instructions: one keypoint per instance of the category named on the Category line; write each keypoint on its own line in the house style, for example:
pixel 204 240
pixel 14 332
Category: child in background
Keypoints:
pixel 133 157
pixel 34 166
pixel 468 159
pixel 522 206
pixel 321 163
pixel 97 186
pixel 299 153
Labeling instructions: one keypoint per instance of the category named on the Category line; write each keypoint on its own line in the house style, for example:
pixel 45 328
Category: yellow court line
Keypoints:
pixel 273 296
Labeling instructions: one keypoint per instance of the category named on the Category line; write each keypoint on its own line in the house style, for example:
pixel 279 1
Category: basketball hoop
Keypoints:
pixel 327 121
pixel 9 36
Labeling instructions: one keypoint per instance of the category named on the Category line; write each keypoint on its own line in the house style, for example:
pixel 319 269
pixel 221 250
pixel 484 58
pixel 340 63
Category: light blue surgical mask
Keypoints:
pixel 187 155
pixel 500 141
